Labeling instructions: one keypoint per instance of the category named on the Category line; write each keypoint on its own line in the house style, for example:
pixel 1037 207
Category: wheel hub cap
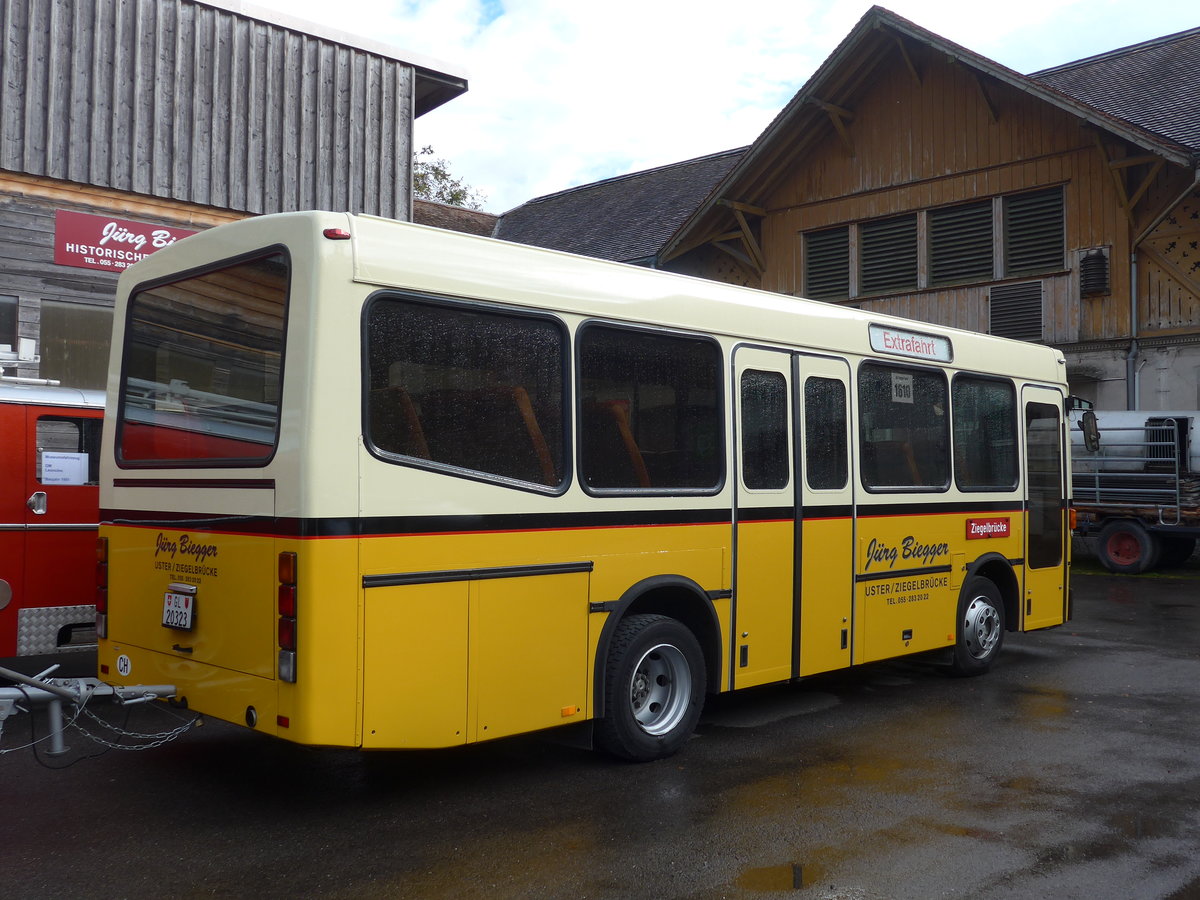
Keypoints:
pixel 981 628
pixel 661 689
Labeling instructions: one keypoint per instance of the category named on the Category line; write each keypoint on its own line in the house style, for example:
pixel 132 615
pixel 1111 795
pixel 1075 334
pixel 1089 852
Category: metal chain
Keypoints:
pixel 165 738
pixel 135 734
pixel 154 740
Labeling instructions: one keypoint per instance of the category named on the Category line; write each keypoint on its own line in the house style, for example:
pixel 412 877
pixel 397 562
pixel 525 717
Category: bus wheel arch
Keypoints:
pixel 672 597
pixel 999 571
pixel 654 685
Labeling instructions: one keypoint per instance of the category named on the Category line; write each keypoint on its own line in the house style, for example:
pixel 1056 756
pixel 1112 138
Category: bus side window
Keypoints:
pixel 765 462
pixel 985 434
pixel 651 415
pixel 466 386
pixel 905 428
pixel 826 462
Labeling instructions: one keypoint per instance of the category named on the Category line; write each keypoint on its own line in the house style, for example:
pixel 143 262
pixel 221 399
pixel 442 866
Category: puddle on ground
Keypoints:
pixel 786 877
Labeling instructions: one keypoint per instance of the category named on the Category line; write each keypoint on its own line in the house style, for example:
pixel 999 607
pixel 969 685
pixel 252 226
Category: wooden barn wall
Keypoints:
pixel 191 103
pixel 1169 271
pixel 922 146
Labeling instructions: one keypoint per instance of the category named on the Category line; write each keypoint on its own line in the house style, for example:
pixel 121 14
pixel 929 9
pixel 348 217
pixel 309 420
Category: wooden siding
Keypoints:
pixel 182 101
pixel 916 145
pixel 1169 271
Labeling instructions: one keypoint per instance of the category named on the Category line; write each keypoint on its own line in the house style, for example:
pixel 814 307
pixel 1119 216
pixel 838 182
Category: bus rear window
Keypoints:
pixel 202 371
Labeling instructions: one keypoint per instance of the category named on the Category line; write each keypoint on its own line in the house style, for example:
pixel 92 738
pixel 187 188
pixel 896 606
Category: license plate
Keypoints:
pixel 178 610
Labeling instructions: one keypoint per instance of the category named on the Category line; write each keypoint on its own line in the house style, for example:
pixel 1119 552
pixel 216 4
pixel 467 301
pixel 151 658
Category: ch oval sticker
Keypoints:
pixel 124 665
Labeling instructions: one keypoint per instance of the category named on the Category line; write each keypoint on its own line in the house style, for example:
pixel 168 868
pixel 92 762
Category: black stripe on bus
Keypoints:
pixel 880 510
pixel 353 526
pixel 902 573
pixel 403 578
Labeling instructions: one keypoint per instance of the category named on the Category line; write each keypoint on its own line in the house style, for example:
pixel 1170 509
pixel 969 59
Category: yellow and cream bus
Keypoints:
pixel 376 485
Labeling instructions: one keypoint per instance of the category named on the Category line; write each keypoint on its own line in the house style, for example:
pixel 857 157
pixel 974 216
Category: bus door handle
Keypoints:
pixel 37 503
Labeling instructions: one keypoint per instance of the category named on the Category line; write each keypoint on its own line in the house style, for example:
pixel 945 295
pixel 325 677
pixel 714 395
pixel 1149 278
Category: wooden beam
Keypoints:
pixel 908 63
pixel 726 236
pixel 750 242
pixel 839 116
pixel 834 110
pixel 739 255
pixel 977 77
pixel 1122 193
pixel 1146 182
pixel 743 207
pixel 1134 161
pixel 696 242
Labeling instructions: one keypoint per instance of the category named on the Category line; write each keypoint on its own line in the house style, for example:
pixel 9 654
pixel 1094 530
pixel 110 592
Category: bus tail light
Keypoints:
pixel 286 605
pixel 1072 518
pixel 102 587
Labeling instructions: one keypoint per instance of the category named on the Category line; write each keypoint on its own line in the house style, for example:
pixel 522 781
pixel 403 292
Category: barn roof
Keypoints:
pixel 1154 85
pixel 627 218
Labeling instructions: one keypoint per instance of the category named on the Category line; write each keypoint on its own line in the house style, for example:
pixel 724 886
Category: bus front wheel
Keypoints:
pixel 653 689
pixel 980 627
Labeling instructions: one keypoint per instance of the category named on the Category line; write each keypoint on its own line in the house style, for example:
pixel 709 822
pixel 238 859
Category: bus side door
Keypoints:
pixel 764 609
pixel 826 554
pixel 1046 535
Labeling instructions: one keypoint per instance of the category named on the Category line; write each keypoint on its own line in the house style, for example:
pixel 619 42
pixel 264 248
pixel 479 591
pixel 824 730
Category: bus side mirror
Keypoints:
pixel 1091 431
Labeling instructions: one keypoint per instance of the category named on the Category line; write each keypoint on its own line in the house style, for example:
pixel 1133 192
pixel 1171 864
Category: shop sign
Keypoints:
pixel 103 242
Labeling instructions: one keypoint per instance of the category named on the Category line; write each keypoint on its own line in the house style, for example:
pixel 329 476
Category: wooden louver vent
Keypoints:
pixel 1034 233
pixel 960 244
pixel 1016 311
pixel 827 264
pixel 888 258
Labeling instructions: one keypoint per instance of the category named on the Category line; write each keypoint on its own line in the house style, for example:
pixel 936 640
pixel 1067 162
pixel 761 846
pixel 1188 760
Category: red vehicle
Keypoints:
pixel 49 511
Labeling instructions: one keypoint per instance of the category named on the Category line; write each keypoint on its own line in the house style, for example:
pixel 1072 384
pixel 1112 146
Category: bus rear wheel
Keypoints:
pixel 980 628
pixel 1126 547
pixel 653 691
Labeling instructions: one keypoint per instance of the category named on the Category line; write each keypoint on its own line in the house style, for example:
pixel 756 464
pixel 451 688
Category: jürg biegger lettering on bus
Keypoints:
pixel 910 549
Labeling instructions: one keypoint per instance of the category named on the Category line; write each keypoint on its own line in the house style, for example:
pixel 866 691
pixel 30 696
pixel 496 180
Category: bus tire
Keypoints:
pixel 1126 547
pixel 653 690
pixel 980 629
pixel 1174 549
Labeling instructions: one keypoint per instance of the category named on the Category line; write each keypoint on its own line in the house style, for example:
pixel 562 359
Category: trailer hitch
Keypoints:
pixel 41 689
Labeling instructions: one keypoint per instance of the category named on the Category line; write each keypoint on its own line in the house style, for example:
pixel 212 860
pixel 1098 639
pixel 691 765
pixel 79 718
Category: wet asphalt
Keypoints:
pixel 1071 770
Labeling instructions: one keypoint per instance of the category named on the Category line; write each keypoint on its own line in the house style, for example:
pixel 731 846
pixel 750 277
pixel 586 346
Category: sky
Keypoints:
pixel 568 92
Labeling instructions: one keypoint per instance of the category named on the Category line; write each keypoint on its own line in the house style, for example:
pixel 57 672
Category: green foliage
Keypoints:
pixel 432 180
